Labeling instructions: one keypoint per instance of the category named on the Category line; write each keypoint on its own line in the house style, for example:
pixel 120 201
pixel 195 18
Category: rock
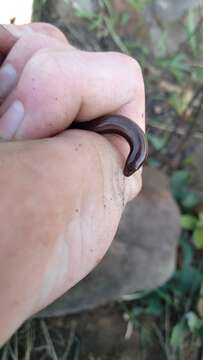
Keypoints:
pixel 165 19
pixel 142 255
pixel 172 10
pixel 160 25
pixel 66 10
pixel 86 6
pixel 162 41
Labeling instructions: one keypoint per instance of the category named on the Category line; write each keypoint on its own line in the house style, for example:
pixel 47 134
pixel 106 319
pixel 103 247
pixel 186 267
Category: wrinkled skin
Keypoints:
pixel 62 195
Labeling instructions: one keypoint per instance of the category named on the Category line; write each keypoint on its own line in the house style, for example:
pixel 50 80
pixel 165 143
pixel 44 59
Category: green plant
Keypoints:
pixel 177 65
pixel 97 20
pixel 195 225
pixel 176 301
pixel 186 197
pixel 138 5
pixel 162 47
pixel 156 141
pixel 190 28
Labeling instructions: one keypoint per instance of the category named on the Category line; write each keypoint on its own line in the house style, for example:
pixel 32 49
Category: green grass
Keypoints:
pixel 173 307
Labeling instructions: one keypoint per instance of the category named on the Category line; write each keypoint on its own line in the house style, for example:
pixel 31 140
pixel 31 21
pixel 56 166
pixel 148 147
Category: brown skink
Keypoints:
pixel 126 128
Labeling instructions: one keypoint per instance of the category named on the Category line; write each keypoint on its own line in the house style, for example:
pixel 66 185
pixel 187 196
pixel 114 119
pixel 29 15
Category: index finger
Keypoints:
pixel 10 33
pixel 57 87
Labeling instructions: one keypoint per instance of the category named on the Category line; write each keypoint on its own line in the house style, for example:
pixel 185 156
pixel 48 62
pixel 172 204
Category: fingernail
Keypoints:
pixel 8 78
pixel 11 120
pixel 16 30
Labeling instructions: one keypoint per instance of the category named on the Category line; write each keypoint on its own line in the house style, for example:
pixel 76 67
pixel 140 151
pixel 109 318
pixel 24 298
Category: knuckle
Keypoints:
pixel 135 75
pixel 133 65
pixel 50 30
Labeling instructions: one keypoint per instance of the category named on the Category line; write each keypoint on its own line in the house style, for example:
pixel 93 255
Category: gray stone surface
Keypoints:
pixel 142 255
pixel 165 20
pixel 172 10
pixel 66 9
pixel 161 27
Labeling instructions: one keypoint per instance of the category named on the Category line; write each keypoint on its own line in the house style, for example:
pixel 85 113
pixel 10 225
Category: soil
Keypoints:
pixel 100 335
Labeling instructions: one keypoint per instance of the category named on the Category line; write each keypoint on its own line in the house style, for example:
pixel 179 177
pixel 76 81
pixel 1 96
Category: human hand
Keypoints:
pixel 64 195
